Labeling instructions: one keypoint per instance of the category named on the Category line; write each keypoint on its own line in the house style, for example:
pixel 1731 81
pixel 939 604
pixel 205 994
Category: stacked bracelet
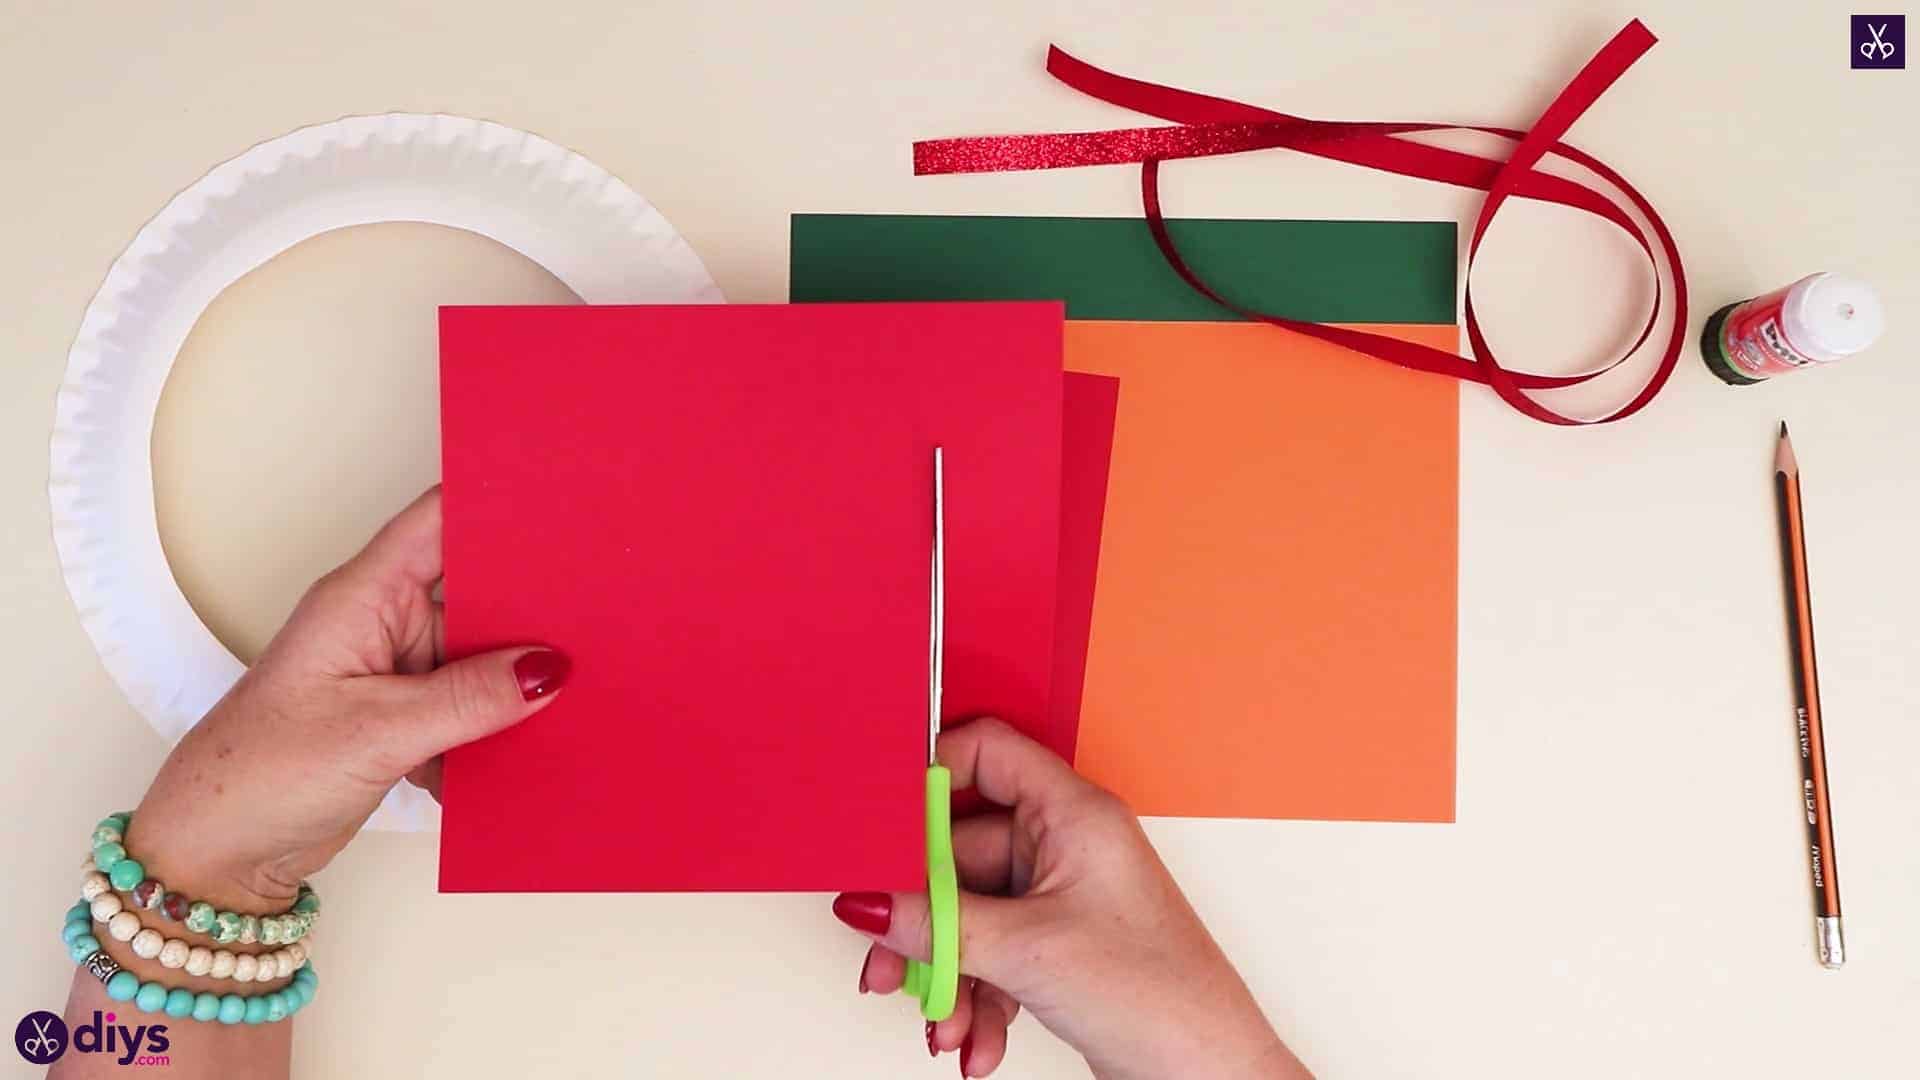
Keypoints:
pixel 111 873
pixel 122 924
pixel 179 1002
pixel 122 872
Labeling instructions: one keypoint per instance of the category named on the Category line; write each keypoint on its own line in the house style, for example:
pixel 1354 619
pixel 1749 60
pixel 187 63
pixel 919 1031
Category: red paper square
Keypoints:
pixel 722 514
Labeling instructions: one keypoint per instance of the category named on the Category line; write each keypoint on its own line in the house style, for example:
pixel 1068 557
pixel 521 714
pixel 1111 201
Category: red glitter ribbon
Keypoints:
pixel 1207 126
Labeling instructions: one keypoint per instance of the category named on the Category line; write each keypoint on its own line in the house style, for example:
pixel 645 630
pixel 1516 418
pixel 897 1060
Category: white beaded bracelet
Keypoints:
pixel 173 953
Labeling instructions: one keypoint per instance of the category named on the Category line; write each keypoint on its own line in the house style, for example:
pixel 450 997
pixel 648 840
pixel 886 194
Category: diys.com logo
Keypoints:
pixel 42 1038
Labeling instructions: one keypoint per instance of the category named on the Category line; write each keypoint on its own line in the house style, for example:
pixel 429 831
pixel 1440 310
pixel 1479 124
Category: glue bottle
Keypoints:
pixel 1816 320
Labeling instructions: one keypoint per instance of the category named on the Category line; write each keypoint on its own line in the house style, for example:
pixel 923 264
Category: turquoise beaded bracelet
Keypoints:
pixel 179 1002
pixel 127 875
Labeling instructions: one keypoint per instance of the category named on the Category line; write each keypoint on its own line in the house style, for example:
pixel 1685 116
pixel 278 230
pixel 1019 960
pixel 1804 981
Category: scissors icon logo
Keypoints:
pixel 41 1037
pixel 1879 41
pixel 1878 45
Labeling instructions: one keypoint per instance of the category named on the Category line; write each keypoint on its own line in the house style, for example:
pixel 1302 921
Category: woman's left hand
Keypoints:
pixel 351 696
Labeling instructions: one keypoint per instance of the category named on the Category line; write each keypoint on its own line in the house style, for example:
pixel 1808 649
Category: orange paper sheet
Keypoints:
pixel 1274 626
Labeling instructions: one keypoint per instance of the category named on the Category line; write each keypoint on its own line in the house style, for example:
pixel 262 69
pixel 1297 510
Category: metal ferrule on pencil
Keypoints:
pixel 1833 944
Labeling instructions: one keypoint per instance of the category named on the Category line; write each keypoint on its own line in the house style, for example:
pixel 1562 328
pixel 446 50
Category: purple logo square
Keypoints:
pixel 1879 41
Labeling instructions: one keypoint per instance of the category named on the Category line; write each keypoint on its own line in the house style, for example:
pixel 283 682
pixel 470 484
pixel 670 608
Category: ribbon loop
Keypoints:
pixel 1205 126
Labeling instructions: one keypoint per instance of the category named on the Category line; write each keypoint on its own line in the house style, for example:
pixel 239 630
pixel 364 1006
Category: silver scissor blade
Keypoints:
pixel 937 634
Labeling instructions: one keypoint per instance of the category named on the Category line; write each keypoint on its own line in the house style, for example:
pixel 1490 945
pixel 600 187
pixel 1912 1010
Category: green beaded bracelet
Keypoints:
pixel 126 874
pixel 179 1002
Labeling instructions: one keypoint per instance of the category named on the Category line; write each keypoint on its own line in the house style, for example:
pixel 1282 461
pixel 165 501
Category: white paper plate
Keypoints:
pixel 586 227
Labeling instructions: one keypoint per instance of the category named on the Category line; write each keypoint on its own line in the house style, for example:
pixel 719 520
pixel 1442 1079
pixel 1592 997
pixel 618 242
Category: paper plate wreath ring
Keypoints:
pixel 581 223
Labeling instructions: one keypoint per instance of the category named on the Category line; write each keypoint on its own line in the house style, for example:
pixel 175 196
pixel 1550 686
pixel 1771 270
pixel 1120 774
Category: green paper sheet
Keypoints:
pixel 1109 268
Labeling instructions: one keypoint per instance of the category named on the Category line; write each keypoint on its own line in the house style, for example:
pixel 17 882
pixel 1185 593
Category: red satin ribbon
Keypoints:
pixel 1207 126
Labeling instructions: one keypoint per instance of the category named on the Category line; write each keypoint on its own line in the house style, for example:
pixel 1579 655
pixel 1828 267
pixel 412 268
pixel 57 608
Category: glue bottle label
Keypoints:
pixel 1753 342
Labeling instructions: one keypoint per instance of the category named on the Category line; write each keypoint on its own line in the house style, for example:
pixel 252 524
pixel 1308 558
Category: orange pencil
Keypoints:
pixel 1815 796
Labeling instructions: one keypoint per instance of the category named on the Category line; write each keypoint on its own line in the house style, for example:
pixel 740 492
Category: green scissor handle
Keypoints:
pixel 937 983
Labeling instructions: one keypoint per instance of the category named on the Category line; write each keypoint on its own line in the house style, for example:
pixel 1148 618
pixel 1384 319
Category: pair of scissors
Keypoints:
pixel 41 1045
pixel 1884 48
pixel 937 983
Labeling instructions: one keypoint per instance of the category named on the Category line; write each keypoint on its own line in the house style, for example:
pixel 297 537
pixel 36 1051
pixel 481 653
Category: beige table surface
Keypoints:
pixel 1624 892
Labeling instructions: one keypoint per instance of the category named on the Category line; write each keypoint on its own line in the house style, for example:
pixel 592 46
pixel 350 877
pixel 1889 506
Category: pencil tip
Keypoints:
pixel 1783 429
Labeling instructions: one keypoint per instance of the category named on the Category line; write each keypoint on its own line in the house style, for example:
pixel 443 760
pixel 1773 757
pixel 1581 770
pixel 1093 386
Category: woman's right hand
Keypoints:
pixel 1067 911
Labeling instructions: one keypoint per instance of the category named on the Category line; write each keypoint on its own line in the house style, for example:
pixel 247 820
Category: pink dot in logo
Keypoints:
pixel 109 1018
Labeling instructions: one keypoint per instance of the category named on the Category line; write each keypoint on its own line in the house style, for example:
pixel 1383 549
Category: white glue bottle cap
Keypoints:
pixel 1827 316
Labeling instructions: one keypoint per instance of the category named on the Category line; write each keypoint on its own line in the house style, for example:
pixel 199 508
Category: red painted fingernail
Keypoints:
pixel 966 1052
pixel 541 672
pixel 867 912
pixel 932 1050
